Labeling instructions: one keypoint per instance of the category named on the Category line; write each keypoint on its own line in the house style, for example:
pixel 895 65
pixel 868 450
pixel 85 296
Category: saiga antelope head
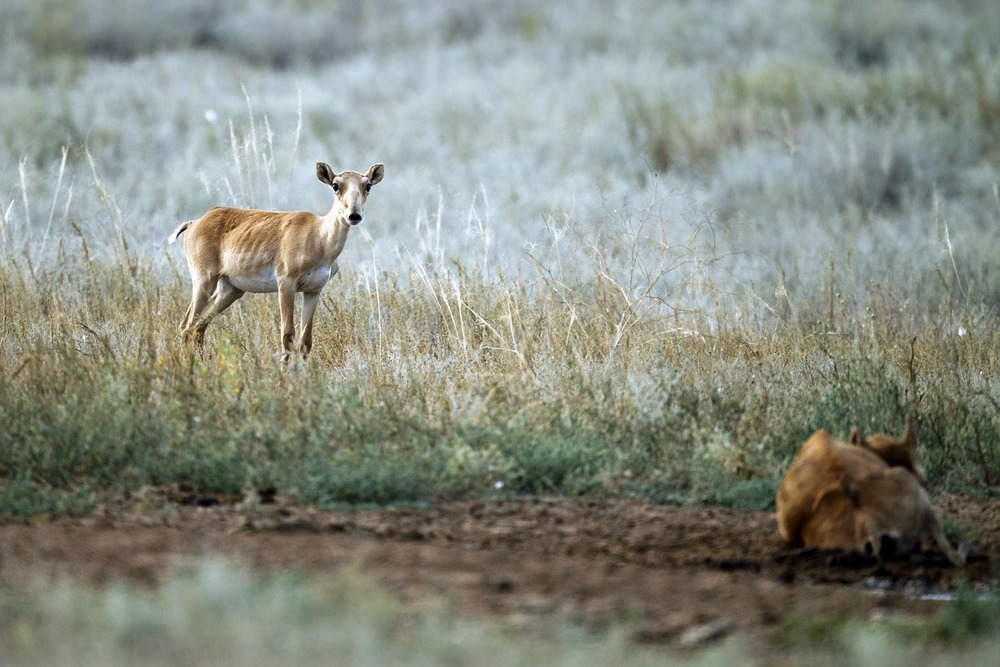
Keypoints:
pixel 350 188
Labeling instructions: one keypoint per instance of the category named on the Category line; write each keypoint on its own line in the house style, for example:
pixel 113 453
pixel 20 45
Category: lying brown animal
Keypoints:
pixel 864 495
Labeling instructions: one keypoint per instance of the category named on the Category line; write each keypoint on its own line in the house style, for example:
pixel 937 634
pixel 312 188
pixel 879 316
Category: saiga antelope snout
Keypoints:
pixel 232 251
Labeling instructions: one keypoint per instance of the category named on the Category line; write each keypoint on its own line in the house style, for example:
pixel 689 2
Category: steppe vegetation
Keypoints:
pixel 638 249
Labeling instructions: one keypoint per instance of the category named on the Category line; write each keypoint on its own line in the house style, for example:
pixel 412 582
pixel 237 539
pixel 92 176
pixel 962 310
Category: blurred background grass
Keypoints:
pixel 802 130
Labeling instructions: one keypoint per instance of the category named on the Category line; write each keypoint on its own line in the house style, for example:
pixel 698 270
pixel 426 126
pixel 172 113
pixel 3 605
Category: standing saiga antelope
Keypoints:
pixel 232 251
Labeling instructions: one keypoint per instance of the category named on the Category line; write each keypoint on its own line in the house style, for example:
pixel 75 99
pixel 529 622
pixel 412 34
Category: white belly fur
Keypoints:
pixel 267 280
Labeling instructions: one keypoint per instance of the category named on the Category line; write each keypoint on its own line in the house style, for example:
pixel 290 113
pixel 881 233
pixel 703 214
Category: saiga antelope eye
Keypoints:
pixel 336 188
pixel 368 187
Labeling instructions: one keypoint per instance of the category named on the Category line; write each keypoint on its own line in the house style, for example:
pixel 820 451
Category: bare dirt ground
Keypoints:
pixel 680 576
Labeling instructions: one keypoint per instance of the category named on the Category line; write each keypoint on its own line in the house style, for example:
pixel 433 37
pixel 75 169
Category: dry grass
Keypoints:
pixel 630 376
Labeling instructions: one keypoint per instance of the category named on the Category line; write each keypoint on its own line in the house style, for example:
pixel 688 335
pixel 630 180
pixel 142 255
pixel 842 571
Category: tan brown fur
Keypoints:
pixel 892 450
pixel 860 495
pixel 233 251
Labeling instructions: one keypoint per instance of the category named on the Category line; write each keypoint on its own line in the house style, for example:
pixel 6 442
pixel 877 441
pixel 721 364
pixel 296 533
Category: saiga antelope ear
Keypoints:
pixel 375 173
pixel 325 173
pixel 857 439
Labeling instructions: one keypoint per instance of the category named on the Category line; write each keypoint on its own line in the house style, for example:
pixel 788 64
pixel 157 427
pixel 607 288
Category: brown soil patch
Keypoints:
pixel 681 576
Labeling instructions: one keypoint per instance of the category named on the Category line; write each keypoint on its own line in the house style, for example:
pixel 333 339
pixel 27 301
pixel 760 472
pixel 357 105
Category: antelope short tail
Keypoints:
pixel 180 230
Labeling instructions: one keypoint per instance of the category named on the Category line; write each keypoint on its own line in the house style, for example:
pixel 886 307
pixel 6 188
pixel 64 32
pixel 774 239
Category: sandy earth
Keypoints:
pixel 680 576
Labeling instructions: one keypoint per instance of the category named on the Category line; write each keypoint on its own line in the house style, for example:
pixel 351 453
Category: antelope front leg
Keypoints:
pixel 286 304
pixel 309 302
